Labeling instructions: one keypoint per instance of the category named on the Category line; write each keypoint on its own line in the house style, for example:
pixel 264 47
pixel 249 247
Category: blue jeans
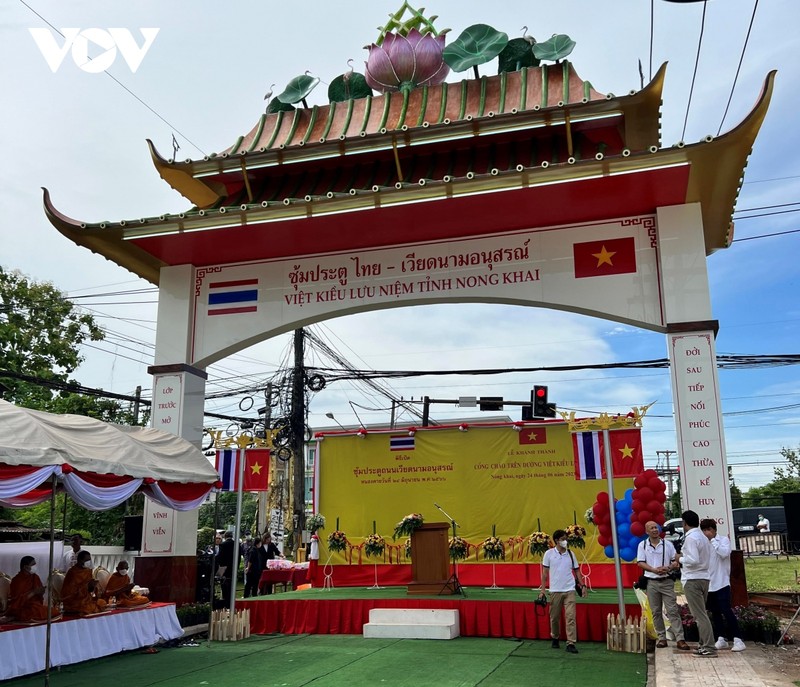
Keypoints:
pixel 719 604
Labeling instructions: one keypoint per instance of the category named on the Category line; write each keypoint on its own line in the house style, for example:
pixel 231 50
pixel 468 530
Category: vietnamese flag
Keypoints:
pixel 256 469
pixel 533 435
pixel 626 452
pixel 601 258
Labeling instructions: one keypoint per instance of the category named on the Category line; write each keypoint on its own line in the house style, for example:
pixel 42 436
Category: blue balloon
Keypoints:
pixel 609 551
pixel 621 517
pixel 627 554
pixel 629 495
pixel 624 531
pixel 626 507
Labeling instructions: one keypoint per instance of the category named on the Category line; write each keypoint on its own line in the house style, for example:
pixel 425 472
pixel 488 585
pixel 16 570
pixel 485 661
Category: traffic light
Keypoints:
pixel 541 408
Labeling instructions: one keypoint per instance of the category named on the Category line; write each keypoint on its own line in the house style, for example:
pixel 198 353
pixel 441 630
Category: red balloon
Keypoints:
pixel 650 474
pixel 602 497
pixel 600 508
pixel 603 541
pixel 660 496
pixel 637 505
pixel 653 483
pixel 645 516
pixel 637 529
pixel 660 519
pixel 645 494
pixel 640 481
pixel 604 530
pixel 655 507
pixel 660 486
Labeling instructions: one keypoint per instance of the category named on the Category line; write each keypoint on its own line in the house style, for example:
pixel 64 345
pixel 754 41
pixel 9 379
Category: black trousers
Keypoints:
pixel 722 615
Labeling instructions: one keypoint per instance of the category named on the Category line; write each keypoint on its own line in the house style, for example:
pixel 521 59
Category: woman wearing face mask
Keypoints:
pixel 26 595
pixel 79 592
pixel 560 568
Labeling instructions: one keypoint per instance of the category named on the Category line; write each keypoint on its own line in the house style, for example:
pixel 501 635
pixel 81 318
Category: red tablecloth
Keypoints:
pixel 284 577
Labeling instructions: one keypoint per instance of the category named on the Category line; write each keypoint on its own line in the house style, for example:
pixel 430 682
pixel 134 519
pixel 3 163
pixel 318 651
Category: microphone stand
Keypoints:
pixel 452 583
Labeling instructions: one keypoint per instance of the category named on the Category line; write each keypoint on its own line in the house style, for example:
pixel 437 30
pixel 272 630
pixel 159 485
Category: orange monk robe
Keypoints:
pixel 118 586
pixel 75 594
pixel 24 601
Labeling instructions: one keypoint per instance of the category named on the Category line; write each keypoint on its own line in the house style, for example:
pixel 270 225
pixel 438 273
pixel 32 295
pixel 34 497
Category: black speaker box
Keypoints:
pixel 791 506
pixel 133 532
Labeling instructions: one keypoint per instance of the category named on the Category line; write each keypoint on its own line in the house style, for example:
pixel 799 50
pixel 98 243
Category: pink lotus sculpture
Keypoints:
pixel 401 63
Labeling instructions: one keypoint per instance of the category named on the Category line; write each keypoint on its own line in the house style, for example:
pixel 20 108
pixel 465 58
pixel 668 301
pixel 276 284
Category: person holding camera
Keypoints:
pixel 561 576
pixel 656 556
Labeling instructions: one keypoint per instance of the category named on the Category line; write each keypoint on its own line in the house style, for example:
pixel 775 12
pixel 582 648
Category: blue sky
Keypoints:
pixel 82 136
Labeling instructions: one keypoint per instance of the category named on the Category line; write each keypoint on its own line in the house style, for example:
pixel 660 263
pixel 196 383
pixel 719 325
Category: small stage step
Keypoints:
pixel 412 623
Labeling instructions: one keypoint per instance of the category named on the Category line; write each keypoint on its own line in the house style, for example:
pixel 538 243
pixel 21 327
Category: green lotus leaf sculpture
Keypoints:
pixel 276 105
pixel 348 86
pixel 517 54
pixel 298 88
pixel 476 45
pixel 555 48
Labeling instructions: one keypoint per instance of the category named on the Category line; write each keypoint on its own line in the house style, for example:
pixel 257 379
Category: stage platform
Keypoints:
pixel 483 612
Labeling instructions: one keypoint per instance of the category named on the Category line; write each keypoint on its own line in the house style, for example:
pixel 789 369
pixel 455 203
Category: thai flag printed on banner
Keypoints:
pixel 233 297
pixel 588 450
pixel 226 465
pixel 401 442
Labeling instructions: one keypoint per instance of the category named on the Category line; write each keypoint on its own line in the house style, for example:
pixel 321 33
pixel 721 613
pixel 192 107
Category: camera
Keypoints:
pixel 541 600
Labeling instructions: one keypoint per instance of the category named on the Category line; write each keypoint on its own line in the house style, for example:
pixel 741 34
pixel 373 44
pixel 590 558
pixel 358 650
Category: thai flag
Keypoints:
pixel 588 450
pixel 227 464
pixel 233 297
pixel 401 442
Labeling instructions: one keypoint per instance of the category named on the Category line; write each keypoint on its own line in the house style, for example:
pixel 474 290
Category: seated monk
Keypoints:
pixel 120 587
pixel 26 595
pixel 79 591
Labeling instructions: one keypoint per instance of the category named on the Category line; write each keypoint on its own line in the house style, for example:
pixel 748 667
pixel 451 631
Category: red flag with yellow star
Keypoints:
pixel 602 258
pixel 626 452
pixel 256 469
pixel 533 435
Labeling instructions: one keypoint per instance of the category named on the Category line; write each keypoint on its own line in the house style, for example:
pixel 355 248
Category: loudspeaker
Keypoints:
pixel 133 532
pixel 791 506
pixel 203 584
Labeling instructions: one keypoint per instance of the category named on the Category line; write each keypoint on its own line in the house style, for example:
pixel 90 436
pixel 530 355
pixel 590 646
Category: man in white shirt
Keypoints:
pixel 763 524
pixel 695 559
pixel 719 588
pixel 560 571
pixel 71 555
pixel 656 556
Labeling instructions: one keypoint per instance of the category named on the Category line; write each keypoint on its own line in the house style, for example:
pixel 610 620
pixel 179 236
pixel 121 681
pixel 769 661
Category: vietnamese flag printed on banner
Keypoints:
pixel 626 452
pixel 602 258
pixel 533 435
pixel 256 469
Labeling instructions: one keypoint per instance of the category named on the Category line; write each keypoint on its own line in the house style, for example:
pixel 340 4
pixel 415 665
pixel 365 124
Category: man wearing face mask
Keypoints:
pixel 26 595
pixel 120 587
pixel 560 569
pixel 79 592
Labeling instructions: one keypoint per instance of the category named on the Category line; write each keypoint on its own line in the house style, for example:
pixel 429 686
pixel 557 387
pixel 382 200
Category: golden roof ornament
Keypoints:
pixel 605 421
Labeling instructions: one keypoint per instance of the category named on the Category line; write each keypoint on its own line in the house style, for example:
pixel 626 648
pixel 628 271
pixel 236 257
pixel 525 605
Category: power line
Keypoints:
pixel 694 73
pixel 739 67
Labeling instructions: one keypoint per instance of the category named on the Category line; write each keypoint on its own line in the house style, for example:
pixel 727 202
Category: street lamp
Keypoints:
pixel 331 417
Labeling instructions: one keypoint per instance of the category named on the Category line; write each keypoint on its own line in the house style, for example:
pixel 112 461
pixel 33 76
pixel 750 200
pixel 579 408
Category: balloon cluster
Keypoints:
pixel 641 504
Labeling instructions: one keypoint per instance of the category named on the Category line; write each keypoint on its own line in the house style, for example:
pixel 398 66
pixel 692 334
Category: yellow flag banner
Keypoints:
pixel 510 480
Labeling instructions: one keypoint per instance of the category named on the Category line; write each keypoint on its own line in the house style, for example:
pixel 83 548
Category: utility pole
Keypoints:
pixel 138 398
pixel 264 514
pixel 667 472
pixel 297 441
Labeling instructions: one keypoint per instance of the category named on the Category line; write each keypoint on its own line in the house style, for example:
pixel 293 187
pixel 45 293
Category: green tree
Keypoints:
pixel 40 335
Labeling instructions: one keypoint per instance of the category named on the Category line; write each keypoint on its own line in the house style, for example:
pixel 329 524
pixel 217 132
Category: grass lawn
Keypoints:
pixel 766 574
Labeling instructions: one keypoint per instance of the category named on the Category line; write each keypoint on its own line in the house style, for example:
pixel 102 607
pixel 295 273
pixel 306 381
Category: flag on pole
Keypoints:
pixel 256 468
pixel 626 453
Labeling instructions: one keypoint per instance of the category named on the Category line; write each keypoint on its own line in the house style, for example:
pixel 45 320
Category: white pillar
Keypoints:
pixel 693 364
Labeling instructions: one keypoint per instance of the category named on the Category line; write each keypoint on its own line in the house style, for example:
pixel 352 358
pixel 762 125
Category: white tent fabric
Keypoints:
pixel 99 464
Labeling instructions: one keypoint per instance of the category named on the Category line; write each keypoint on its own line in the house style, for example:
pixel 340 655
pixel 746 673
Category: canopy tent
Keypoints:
pixel 100 465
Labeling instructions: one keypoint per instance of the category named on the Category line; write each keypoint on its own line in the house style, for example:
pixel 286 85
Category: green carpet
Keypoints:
pixel 352 661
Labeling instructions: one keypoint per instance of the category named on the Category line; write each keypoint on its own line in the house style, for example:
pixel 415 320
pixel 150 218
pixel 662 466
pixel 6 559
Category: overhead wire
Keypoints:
pixel 694 73
pixel 739 67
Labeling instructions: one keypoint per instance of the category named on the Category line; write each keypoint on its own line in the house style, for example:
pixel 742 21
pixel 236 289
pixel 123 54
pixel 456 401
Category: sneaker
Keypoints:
pixel 721 643
pixel 571 649
pixel 705 653
pixel 555 644
pixel 738 645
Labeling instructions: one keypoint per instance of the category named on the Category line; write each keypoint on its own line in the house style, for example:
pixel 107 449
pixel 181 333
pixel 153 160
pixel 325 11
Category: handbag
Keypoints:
pixel 578 585
pixel 641 583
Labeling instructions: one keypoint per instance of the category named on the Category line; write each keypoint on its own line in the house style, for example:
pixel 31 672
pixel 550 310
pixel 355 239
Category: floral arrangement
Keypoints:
pixel 374 545
pixel 493 549
pixel 337 541
pixel 407 525
pixel 316 522
pixel 539 542
pixel 575 535
pixel 408 547
pixel 459 548
pixel 589 515
pixel 755 619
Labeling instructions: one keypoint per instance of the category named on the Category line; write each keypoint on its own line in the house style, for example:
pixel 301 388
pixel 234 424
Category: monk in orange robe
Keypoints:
pixel 26 595
pixel 79 593
pixel 120 587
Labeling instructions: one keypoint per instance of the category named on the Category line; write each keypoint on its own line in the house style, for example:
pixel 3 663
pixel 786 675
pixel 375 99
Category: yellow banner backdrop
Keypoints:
pixel 483 477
